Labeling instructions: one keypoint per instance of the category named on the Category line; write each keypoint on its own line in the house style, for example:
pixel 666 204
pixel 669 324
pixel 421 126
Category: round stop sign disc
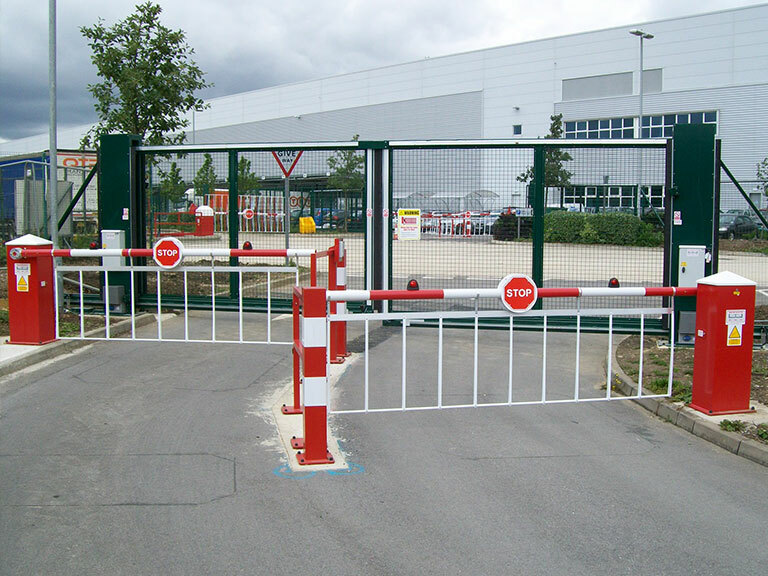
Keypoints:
pixel 518 292
pixel 248 214
pixel 168 252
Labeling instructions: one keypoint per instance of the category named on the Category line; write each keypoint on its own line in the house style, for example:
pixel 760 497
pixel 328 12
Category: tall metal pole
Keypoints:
pixel 53 223
pixel 643 36
pixel 287 214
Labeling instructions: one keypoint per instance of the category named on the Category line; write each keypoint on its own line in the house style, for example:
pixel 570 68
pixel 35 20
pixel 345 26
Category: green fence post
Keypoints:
pixel 537 189
pixel 234 222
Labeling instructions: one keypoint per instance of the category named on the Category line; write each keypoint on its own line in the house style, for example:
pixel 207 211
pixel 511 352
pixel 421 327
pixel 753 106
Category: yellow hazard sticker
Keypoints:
pixel 21 284
pixel 734 335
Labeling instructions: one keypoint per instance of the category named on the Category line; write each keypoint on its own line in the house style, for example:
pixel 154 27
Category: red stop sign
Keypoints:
pixel 248 213
pixel 518 292
pixel 168 252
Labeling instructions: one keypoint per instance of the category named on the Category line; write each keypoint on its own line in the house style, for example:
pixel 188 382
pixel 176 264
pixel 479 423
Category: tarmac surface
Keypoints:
pixel 165 458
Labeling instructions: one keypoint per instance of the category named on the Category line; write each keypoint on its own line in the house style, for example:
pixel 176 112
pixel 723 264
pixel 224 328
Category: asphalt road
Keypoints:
pixel 145 458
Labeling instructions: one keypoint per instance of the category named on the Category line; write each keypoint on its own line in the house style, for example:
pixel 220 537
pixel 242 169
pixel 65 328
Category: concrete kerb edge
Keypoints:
pixel 61 347
pixel 688 419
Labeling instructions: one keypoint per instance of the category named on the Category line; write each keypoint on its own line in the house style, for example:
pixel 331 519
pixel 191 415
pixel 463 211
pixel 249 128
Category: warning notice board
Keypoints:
pixel 409 224
pixel 735 320
pixel 22 277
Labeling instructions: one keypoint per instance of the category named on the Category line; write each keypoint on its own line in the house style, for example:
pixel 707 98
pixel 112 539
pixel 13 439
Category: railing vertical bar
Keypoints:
pixel 269 307
pixel 159 307
pixel 402 406
pixel 366 366
pixel 671 354
pixel 106 304
pixel 609 368
pixel 240 302
pixel 186 306
pixel 213 302
pixel 544 363
pixel 511 358
pixel 440 363
pixel 578 357
pixel 133 301
pixel 56 299
pixel 82 308
pixel 475 361
pixel 642 353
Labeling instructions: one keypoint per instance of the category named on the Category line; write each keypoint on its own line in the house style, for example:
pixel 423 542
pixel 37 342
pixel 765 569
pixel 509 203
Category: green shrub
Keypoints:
pixel 564 227
pixel 505 227
pixel 615 228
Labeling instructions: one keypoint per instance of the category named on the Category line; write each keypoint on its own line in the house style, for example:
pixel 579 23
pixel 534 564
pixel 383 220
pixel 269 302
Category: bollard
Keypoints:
pixel 337 280
pixel 31 300
pixel 314 383
pixel 722 364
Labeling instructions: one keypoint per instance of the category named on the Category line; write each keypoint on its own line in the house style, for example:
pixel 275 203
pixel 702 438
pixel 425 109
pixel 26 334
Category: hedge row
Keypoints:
pixel 580 228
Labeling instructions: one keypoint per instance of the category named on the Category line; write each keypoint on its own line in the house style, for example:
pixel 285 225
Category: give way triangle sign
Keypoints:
pixel 287 159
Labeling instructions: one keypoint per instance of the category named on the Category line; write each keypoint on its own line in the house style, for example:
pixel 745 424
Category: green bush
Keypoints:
pixel 505 227
pixel 615 228
pixel 564 227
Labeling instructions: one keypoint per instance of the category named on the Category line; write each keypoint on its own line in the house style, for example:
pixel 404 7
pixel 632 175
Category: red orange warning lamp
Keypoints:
pixel 613 283
pixel 247 245
pixel 413 284
pixel 93 245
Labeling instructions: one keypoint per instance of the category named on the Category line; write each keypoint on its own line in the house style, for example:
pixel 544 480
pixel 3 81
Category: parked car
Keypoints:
pixel 735 226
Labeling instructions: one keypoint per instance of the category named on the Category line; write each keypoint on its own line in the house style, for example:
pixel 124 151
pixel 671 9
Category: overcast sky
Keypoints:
pixel 245 45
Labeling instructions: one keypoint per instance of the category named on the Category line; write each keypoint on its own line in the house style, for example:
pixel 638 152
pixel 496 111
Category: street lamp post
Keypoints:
pixel 643 36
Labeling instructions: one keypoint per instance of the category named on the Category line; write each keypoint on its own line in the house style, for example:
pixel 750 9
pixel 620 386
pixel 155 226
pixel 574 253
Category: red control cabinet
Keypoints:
pixel 204 221
pixel 31 308
pixel 722 365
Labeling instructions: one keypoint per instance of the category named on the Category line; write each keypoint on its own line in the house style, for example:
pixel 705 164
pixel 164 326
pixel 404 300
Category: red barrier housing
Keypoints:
pixel 722 364
pixel 31 306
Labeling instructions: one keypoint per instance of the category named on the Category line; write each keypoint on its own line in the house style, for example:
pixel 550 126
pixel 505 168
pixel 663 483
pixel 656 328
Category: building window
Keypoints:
pixel 656 126
pixel 611 198
pixel 662 125
pixel 517 129
pixel 605 128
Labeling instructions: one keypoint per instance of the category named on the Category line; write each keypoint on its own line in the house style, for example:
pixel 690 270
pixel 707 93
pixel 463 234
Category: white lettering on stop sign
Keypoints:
pixel 518 293
pixel 168 252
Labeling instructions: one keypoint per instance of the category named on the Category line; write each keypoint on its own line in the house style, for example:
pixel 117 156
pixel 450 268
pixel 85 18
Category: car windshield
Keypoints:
pixel 726 219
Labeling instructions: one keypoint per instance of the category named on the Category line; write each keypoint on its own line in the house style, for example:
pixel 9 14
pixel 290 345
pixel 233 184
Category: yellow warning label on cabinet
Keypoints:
pixel 21 284
pixel 734 335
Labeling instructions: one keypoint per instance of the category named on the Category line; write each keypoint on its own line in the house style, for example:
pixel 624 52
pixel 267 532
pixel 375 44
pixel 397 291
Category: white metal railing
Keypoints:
pixel 542 396
pixel 191 333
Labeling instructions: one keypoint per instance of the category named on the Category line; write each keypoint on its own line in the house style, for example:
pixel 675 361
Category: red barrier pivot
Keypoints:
pixel 31 307
pixel 722 363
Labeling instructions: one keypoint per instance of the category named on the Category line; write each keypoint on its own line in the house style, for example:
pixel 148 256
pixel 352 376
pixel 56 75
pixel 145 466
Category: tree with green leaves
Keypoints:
pixel 172 186
pixel 148 78
pixel 555 174
pixel 762 175
pixel 205 179
pixel 346 168
pixel 247 181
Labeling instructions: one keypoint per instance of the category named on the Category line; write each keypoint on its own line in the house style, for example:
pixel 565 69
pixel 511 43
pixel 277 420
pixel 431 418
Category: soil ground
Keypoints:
pixel 656 374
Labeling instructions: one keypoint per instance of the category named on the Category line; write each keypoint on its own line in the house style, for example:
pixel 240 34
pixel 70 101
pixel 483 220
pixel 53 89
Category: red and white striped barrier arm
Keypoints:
pixel 452 294
pixel 17 253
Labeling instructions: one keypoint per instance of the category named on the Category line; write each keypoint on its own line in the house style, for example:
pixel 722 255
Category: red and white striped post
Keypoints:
pixel 296 352
pixel 313 336
pixel 337 280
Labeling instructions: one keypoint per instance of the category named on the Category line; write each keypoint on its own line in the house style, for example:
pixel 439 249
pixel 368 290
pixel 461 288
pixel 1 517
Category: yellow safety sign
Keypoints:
pixel 734 336
pixel 21 284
